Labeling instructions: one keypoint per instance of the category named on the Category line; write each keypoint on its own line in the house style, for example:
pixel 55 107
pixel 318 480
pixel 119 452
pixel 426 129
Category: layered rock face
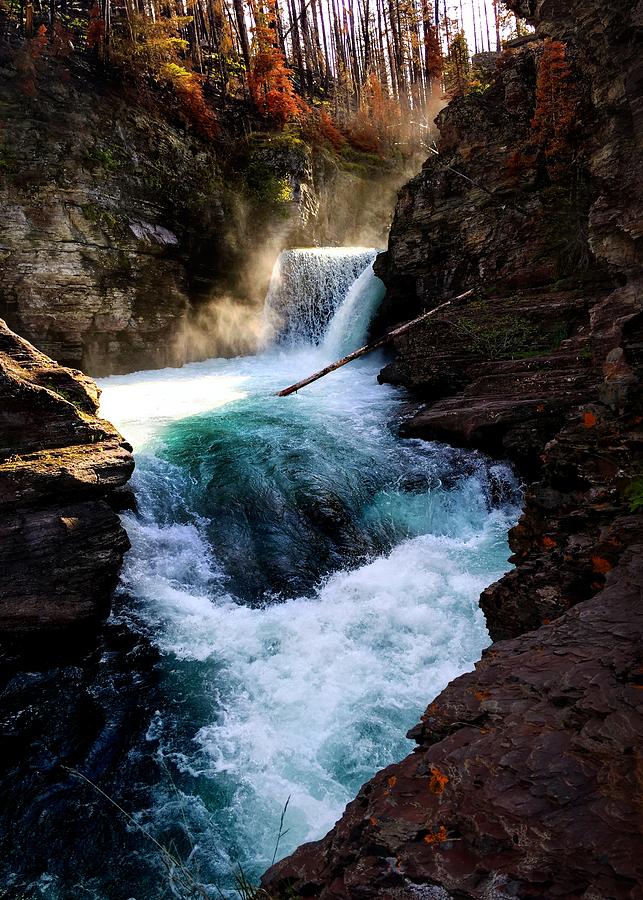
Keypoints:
pixel 121 228
pixel 61 543
pixel 91 260
pixel 524 780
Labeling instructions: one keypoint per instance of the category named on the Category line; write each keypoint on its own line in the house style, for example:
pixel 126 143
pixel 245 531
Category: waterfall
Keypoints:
pixel 309 578
pixel 306 289
pixel 348 328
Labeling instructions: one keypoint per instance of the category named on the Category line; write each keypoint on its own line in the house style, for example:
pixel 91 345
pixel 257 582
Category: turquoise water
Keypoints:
pixel 310 578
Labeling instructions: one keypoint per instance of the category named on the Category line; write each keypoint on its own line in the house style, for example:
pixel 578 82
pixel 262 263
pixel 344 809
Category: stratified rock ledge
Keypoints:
pixel 61 543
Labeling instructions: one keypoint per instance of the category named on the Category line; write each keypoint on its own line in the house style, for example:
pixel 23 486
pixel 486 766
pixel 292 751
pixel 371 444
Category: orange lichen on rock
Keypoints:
pixel 600 564
pixel 438 781
pixel 392 781
pixel 482 695
pixel 589 420
pixel 548 542
pixel 437 837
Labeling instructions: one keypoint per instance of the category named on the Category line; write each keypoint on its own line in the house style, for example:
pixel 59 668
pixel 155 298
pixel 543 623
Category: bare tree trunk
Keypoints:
pixel 243 32
pixel 328 63
pixel 296 43
pixel 486 22
pixel 107 18
pixel 368 348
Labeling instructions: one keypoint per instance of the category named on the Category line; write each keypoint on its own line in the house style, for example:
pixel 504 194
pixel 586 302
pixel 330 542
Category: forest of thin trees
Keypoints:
pixel 356 70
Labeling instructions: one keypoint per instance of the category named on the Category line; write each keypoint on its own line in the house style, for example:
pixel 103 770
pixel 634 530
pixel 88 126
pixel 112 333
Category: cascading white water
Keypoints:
pixel 310 579
pixel 306 289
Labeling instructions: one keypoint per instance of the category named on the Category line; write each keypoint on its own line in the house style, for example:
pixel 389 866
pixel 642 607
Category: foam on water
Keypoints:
pixel 310 579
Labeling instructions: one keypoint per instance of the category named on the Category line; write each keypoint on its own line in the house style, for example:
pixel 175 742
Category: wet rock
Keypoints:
pixel 86 706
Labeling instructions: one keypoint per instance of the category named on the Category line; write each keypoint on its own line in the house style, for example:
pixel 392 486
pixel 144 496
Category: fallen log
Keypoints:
pixel 368 348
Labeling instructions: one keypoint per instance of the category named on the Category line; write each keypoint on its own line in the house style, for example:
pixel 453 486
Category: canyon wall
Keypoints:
pixel 122 231
pixel 524 780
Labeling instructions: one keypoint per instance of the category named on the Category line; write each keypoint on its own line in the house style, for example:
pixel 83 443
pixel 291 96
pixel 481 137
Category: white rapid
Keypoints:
pixel 310 579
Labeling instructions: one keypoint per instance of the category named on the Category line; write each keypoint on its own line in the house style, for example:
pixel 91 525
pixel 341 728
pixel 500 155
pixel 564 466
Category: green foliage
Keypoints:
pixel 478 82
pixel 264 187
pixel 506 335
pixel 634 494
pixel 363 164
pixel 566 227
pixel 288 140
pixel 8 160
pixel 497 337
pixel 457 69
pixel 108 158
pixel 66 395
pixel 100 216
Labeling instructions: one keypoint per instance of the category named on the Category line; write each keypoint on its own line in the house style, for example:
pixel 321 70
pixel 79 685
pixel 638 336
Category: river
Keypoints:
pixel 301 583
pixel 310 579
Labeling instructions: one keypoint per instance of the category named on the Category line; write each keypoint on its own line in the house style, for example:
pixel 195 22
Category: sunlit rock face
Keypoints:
pixel 117 225
pixel 120 229
pixel 61 544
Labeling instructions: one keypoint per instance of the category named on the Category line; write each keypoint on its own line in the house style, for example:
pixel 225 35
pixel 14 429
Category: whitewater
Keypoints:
pixel 309 578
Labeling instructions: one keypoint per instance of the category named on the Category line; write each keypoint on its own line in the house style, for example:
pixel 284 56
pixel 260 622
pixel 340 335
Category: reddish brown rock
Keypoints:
pixel 526 779
pixel 61 544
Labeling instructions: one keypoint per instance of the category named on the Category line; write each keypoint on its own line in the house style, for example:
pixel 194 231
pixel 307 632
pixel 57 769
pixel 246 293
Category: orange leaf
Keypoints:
pixel 599 564
pixel 437 837
pixel 438 781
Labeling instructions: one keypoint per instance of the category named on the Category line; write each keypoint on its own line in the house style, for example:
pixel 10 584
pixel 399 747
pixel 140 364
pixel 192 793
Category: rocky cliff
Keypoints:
pixel 120 227
pixel 61 543
pixel 524 780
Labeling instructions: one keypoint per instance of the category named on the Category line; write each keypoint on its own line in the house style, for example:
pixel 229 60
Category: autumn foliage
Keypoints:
pixel 556 110
pixel 366 75
pixel 319 128
pixel 54 44
pixel 438 781
pixel 437 837
pixel 189 89
pixel 433 54
pixel 376 124
pixel 270 80
pixel 155 51
pixel 95 29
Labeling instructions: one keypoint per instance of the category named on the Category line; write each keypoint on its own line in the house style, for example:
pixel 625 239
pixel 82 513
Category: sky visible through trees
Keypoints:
pixel 358 70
